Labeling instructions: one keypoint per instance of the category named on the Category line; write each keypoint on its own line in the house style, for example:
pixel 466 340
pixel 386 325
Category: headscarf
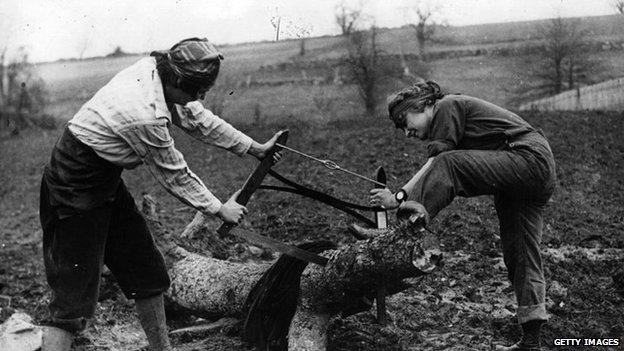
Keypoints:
pixel 413 98
pixel 194 60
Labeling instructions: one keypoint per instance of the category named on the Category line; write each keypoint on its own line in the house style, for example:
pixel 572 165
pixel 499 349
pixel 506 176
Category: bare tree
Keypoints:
pixel 303 32
pixel 276 22
pixel 3 78
pixel 5 119
pixel 363 61
pixel 347 18
pixel 302 48
pixel 5 27
pixel 82 44
pixel 300 29
pixel 290 28
pixel 579 67
pixel 562 61
pixel 368 68
pixel 619 6
pixel 425 25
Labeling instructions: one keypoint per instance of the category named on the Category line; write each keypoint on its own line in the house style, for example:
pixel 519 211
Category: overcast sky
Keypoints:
pixel 52 29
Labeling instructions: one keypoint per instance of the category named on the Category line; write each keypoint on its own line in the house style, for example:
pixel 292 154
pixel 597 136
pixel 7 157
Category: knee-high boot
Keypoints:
pixel 151 313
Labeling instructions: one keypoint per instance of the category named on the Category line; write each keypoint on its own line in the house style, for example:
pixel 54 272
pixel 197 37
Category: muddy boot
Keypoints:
pixel 414 213
pixel 530 338
pixel 56 339
pixel 151 313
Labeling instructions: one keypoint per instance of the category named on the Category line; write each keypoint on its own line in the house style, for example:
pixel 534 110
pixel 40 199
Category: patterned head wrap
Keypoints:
pixel 194 60
pixel 413 98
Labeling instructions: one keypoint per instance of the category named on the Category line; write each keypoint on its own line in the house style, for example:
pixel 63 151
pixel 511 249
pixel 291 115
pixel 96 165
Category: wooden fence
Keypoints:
pixel 605 96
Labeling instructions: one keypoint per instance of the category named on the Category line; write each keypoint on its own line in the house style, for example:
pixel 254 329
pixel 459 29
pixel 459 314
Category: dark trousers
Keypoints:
pixel 75 247
pixel 522 180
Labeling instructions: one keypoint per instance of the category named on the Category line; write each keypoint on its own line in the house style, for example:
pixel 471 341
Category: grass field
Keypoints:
pixel 585 211
pixel 466 306
pixel 496 78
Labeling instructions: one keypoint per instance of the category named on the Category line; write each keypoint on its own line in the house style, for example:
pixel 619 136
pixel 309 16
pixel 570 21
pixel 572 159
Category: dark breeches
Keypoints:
pixel 522 182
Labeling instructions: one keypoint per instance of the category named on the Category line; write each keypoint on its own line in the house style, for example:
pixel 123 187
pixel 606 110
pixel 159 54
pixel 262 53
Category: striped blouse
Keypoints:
pixel 127 123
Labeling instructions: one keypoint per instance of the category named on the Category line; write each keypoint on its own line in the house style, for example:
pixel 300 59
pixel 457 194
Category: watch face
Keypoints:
pixel 400 196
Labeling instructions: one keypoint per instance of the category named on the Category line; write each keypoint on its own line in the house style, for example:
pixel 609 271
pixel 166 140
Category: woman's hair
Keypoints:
pixel 414 98
pixel 168 77
pixel 191 65
pixel 164 70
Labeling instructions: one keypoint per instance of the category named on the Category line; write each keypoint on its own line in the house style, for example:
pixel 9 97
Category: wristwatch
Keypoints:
pixel 400 196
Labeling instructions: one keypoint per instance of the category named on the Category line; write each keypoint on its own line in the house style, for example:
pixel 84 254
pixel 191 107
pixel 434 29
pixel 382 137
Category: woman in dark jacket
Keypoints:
pixel 477 148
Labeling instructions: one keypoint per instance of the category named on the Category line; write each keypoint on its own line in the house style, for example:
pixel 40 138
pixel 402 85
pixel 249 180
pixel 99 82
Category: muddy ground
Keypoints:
pixel 467 305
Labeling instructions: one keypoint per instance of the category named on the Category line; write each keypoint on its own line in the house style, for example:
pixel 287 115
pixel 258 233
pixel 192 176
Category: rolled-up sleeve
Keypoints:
pixel 204 125
pixel 447 127
pixel 155 147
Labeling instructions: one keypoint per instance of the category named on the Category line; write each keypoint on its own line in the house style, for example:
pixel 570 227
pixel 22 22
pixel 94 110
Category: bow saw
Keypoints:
pixel 254 182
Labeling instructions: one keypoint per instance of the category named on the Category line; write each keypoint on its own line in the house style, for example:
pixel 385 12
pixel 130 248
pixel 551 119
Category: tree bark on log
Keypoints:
pixel 214 288
pixel 202 285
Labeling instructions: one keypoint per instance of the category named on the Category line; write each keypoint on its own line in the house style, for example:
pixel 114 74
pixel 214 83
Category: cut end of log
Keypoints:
pixel 426 256
pixel 426 260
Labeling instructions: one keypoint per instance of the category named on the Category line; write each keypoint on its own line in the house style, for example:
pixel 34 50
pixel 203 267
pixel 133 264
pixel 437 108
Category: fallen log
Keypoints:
pixel 200 284
pixel 213 288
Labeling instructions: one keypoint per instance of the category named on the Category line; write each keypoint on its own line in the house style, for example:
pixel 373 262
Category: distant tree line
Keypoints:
pixel 562 59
